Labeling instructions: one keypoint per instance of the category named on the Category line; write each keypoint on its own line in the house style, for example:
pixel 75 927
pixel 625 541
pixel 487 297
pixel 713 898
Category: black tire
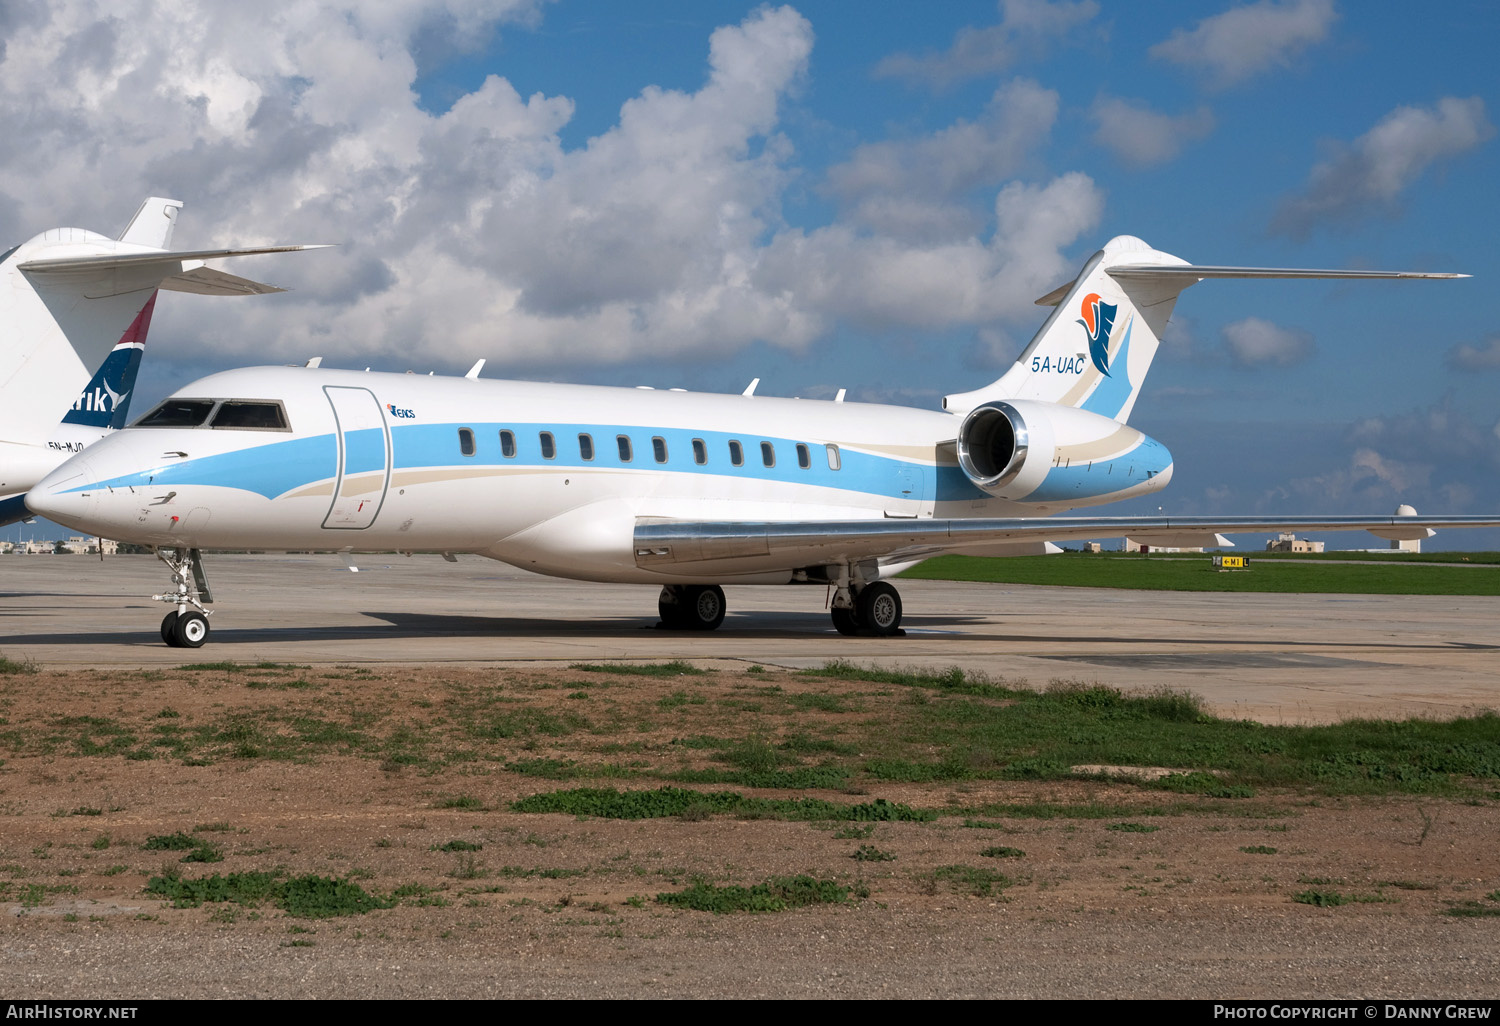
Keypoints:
pixel 168 625
pixel 670 608
pixel 845 621
pixel 878 607
pixel 703 607
pixel 190 631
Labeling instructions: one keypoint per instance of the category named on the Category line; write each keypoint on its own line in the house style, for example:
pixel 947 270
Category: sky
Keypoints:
pixel 824 195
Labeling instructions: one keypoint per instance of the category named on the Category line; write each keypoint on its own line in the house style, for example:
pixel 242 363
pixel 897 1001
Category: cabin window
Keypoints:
pixel 700 452
pixel 586 446
pixel 247 415
pixel 659 449
pixel 768 454
pixel 624 442
pixel 736 453
pixel 466 441
pixel 508 444
pixel 834 460
pixel 804 458
pixel 549 447
pixel 178 413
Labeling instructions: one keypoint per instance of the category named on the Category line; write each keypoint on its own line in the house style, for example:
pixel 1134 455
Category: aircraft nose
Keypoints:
pixel 62 497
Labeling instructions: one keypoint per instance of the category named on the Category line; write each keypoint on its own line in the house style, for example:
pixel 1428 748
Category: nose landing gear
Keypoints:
pixel 187 625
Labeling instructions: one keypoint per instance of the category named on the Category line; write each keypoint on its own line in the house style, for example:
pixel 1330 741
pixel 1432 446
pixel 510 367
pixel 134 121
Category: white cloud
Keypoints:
pixel 1140 136
pixel 1427 457
pixel 914 188
pixel 1370 174
pixel 1247 40
pixel 475 231
pixel 1025 26
pixel 1467 357
pixel 1254 341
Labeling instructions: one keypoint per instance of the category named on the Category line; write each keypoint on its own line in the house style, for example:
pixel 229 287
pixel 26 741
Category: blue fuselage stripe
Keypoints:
pixel 278 467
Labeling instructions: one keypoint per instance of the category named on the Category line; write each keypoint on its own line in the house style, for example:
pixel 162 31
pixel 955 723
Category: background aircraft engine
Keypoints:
pixel 1009 449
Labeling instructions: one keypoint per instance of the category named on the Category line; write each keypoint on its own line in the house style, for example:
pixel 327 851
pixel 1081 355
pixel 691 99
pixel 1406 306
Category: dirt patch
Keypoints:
pixel 401 782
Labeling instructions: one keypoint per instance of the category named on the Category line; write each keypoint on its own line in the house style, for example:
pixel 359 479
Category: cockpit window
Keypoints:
pixel 178 413
pixel 244 414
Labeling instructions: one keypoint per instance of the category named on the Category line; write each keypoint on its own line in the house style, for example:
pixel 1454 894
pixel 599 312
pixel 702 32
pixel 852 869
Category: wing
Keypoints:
pixel 737 547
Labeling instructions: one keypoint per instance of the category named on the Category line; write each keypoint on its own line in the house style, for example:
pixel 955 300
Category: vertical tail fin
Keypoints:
pixel 1093 352
pixel 105 402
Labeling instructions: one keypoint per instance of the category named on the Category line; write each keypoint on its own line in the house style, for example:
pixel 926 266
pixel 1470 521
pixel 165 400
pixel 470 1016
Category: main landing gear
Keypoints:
pixel 872 610
pixel 691 607
pixel 187 625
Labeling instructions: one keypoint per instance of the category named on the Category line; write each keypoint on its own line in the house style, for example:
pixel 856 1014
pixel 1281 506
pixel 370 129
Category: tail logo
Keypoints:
pixel 1098 320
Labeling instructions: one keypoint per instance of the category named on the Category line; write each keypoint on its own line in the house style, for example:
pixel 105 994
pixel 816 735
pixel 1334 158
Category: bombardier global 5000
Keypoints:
pixel 686 491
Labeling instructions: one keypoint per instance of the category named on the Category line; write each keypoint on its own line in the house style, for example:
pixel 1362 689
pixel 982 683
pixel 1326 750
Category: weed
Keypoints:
pixel 461 801
pixel 1001 851
pixel 1133 828
pixel 458 846
pixel 1258 849
pixel 976 881
pixel 1472 910
pixel 100 843
pixel 870 853
pixel 774 895
pixel 308 896
pixel 1322 899
pixel 17 666
pixel 854 833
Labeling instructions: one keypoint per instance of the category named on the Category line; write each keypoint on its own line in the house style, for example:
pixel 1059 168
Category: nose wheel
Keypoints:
pixel 187 625
pixel 184 630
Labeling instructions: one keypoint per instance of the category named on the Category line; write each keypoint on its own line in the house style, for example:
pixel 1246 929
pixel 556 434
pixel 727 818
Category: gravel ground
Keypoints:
pixel 547 905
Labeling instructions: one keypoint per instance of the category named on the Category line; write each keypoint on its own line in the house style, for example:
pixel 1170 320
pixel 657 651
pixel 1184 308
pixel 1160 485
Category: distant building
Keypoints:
pixel 1289 542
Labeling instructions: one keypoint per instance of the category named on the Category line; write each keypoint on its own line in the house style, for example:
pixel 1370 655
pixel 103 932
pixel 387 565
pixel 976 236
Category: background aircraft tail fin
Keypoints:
pixel 105 401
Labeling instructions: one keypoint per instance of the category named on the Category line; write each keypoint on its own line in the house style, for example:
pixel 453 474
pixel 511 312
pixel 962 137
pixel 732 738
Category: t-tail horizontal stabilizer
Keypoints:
pixel 1094 350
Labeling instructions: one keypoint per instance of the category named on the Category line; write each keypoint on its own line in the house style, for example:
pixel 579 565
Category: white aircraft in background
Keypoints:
pixel 71 299
pixel 682 490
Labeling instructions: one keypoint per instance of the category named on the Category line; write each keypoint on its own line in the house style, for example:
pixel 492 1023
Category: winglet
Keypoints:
pixel 153 223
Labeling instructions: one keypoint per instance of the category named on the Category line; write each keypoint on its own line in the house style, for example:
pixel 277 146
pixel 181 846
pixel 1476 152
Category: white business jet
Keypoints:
pixel 71 299
pixel 687 491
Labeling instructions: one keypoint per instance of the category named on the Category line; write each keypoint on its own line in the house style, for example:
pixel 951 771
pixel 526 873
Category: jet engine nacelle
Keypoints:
pixel 1009 448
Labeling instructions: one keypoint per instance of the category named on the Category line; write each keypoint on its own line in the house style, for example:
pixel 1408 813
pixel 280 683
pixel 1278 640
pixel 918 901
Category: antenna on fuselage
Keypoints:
pixel 750 388
pixel 840 397
pixel 474 370
pixel 316 361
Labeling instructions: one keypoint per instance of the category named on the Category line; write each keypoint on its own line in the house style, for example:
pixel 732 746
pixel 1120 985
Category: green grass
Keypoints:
pixel 676 668
pixel 987 729
pixel 774 895
pixel 840 727
pixel 607 803
pixel 1156 573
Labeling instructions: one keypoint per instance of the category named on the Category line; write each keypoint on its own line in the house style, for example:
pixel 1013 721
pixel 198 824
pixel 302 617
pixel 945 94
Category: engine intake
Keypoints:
pixel 992 445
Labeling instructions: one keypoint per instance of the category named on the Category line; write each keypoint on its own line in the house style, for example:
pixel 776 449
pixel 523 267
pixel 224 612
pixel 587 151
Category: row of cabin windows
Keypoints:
pixel 658 449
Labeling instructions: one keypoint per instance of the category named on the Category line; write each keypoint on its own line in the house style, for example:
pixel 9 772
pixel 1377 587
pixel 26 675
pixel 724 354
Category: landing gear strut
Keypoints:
pixel 691 607
pixel 187 625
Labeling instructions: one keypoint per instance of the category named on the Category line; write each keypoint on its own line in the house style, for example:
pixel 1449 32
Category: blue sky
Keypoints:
pixel 821 195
